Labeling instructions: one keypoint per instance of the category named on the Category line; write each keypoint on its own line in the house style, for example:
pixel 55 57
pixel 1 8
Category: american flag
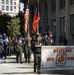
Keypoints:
pixel 26 18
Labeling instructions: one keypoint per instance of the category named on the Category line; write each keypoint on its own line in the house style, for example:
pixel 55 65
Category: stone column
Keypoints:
pixel 49 13
pixel 67 21
pixel 42 16
pixel 57 22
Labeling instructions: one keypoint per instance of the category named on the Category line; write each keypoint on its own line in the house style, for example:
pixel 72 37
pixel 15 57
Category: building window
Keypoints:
pixel 53 5
pixel 2 1
pixel 14 3
pixel 62 29
pixel 53 28
pixel 3 7
pixel 11 2
pixel 62 4
pixel 11 9
pixel 7 1
pixel 71 2
pixel 14 7
pixel 7 8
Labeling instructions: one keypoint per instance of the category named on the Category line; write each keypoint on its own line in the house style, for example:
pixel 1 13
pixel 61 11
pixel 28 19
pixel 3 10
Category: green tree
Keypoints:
pixel 14 27
pixel 21 17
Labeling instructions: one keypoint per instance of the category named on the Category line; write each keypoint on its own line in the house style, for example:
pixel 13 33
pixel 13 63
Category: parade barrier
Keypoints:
pixel 57 58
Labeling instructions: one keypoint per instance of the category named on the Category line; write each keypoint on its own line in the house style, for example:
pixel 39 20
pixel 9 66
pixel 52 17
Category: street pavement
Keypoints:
pixel 10 67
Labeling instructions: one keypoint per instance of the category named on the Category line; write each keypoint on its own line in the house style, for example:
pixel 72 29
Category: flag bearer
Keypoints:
pixel 19 50
pixel 27 48
pixel 37 54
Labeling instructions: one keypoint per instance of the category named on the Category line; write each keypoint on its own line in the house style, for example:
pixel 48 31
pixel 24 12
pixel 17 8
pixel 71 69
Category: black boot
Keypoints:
pixel 34 67
pixel 28 60
pixel 25 59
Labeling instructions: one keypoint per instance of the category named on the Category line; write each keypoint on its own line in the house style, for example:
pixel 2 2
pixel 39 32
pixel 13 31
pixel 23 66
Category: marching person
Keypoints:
pixel 49 40
pixel 44 38
pixel 19 50
pixel 5 44
pixel 37 54
pixel 27 48
pixel 9 46
pixel 1 47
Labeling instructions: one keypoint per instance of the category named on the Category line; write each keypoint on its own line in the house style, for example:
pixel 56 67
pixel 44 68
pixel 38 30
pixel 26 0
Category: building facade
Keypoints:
pixel 56 16
pixel 10 7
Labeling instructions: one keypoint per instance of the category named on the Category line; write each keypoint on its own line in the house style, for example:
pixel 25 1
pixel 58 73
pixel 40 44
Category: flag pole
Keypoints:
pixel 38 20
pixel 28 25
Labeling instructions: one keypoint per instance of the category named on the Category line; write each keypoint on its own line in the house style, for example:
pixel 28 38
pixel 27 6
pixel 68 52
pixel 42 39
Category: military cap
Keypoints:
pixel 37 35
pixel 19 37
pixel 49 32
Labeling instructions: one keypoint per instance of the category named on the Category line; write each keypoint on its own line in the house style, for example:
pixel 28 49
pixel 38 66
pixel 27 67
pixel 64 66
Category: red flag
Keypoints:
pixel 26 18
pixel 36 20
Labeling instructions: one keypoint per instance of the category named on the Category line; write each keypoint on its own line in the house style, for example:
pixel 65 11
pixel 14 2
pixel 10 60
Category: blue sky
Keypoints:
pixel 22 5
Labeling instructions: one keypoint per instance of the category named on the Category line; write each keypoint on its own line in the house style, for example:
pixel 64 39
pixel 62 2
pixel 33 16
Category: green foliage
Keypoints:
pixel 21 17
pixel 5 21
pixel 14 27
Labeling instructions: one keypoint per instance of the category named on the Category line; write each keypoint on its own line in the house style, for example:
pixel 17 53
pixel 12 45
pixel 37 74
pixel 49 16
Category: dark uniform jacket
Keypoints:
pixel 37 49
pixel 49 41
pixel 33 41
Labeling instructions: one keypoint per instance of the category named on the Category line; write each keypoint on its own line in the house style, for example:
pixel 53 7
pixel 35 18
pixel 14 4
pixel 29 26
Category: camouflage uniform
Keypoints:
pixel 19 51
pixel 27 49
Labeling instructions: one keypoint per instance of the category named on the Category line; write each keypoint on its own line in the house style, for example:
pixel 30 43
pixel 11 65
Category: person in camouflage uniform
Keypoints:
pixel 19 50
pixel 27 48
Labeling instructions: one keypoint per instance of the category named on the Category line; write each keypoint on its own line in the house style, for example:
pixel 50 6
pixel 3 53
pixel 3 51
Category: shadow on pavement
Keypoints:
pixel 19 73
pixel 11 58
pixel 8 62
pixel 64 72
pixel 25 67
pixel 15 62
pixel 12 73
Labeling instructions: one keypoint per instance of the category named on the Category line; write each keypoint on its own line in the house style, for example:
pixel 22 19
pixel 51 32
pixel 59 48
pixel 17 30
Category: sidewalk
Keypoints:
pixel 10 67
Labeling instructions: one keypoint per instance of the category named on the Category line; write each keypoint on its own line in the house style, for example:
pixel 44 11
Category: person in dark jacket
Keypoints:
pixel 37 54
pixel 49 40
pixel 44 38
pixel 5 44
